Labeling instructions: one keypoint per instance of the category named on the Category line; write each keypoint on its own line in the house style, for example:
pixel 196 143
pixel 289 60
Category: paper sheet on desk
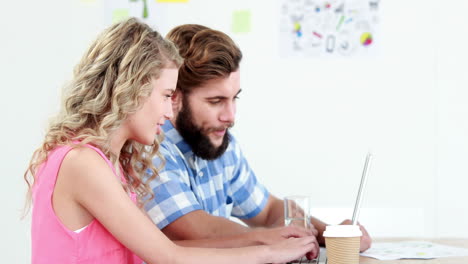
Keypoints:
pixel 412 250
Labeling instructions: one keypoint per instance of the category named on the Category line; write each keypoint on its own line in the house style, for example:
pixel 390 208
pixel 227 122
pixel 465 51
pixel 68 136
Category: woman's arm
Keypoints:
pixel 100 192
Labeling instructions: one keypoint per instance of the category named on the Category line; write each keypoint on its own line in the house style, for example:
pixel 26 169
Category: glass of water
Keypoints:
pixel 296 212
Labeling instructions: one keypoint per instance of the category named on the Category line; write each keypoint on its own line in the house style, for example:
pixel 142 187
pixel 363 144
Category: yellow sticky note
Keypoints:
pixel 172 1
pixel 119 14
pixel 241 21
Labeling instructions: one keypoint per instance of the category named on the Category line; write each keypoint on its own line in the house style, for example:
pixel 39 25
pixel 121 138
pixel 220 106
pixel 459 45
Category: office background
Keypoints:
pixel 305 124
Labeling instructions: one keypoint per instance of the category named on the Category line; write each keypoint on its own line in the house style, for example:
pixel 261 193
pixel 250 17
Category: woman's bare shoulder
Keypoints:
pixel 83 162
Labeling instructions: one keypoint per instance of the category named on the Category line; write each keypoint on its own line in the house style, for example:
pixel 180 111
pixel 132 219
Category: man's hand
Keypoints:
pixel 366 240
pixel 313 229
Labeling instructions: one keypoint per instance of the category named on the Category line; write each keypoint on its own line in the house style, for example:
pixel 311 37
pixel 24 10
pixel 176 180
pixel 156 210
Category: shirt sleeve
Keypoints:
pixel 248 195
pixel 173 197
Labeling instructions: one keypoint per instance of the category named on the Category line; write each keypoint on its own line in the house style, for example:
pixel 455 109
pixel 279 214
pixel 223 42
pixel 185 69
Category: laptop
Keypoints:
pixel 365 172
pixel 357 206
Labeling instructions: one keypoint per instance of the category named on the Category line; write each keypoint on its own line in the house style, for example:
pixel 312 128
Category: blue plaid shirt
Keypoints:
pixel 223 187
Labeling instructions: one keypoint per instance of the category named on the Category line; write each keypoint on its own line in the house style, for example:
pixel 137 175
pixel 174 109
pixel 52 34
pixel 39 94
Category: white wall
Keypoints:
pixel 452 119
pixel 305 124
pixel 40 44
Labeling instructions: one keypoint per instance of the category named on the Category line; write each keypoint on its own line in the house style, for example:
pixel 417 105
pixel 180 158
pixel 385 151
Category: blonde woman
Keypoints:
pixel 90 177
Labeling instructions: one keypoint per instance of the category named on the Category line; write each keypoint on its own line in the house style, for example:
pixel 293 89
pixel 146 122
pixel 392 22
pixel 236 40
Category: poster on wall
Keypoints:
pixel 329 28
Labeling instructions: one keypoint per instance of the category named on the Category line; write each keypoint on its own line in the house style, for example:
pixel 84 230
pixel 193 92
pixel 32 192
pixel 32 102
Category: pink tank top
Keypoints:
pixel 52 242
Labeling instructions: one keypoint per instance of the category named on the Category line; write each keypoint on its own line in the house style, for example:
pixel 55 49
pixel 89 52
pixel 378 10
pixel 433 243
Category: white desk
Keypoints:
pixel 446 241
pixel 456 242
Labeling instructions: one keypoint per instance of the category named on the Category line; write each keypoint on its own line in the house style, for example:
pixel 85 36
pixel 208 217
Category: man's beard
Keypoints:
pixel 196 137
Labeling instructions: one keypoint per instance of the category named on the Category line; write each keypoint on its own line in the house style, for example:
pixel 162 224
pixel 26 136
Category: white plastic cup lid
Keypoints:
pixel 342 231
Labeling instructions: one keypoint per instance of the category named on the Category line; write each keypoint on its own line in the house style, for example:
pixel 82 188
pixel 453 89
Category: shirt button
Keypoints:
pixel 200 174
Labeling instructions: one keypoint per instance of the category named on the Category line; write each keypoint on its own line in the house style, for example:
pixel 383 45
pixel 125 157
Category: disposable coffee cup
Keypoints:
pixel 342 243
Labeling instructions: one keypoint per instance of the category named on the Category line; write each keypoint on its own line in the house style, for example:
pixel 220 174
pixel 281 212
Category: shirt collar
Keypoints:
pixel 171 134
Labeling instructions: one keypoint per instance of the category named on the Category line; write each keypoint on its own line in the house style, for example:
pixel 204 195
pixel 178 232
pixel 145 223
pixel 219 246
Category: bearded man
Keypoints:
pixel 205 179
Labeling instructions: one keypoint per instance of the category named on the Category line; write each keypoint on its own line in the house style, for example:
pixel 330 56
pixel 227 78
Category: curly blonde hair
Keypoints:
pixel 111 81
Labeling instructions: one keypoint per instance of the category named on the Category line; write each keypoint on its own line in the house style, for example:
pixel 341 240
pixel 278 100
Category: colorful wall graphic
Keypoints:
pixel 329 28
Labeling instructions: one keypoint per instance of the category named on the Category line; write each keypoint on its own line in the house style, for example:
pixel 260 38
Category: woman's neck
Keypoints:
pixel 117 141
